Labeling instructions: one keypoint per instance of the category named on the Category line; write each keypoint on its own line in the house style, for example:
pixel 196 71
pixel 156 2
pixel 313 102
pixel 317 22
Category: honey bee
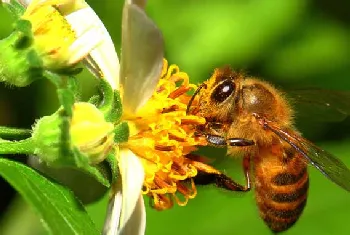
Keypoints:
pixel 235 105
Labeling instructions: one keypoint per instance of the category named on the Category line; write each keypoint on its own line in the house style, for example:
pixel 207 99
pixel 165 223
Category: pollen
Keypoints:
pixel 163 136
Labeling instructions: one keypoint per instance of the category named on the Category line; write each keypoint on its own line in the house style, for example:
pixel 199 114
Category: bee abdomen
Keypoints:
pixel 282 200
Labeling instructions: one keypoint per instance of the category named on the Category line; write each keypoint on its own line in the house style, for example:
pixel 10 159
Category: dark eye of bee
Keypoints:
pixel 223 91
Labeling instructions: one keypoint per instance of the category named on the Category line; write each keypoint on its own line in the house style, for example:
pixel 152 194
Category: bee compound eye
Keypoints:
pixel 223 91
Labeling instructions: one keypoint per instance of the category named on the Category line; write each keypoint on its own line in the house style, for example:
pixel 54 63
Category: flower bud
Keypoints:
pixel 56 136
pixel 90 133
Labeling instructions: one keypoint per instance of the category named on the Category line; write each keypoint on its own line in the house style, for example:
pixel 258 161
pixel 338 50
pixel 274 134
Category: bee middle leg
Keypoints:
pixel 222 141
pixel 208 175
pixel 212 131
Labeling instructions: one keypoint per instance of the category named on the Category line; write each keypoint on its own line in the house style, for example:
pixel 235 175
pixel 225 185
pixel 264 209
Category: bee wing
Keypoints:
pixel 321 104
pixel 329 165
pixel 141 57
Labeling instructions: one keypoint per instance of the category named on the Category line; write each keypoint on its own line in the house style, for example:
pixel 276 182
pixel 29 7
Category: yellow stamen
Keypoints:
pixel 162 135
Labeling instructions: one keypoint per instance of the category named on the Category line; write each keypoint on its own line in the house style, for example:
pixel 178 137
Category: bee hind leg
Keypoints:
pixel 221 180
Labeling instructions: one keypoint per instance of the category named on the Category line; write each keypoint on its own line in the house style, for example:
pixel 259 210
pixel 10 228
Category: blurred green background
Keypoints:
pixel 294 43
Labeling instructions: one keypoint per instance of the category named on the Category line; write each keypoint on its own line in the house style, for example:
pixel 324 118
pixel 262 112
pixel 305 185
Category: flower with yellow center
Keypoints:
pixel 157 155
pixel 162 136
pixel 68 31
pixel 156 159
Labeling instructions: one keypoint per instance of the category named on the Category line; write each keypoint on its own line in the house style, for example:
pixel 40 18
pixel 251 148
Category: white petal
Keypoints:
pixel 127 196
pixel 140 3
pixel 24 2
pixel 141 59
pixel 111 226
pixel 102 60
pixel 133 175
pixel 136 225
pixel 84 45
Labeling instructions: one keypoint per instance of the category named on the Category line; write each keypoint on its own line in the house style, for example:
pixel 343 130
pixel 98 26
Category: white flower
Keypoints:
pixel 141 64
pixel 140 69
pixel 93 45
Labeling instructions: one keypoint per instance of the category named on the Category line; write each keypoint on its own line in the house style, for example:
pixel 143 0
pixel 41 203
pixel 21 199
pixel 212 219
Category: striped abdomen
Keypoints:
pixel 281 184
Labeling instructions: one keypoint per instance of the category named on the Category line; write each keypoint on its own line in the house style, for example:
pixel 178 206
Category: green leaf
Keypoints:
pixel 61 212
pixel 75 179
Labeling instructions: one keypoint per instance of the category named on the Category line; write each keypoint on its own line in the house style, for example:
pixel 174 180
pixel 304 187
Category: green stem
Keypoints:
pixel 17 147
pixel 10 132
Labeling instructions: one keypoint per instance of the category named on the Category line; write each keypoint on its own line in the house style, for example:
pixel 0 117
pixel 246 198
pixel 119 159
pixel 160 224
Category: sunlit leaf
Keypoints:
pixel 60 211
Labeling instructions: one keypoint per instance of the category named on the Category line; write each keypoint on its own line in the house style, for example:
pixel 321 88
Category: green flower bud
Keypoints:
pixel 57 138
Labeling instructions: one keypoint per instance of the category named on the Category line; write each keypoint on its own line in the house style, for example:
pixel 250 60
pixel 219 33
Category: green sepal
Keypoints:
pixel 118 107
pixel 14 7
pixel 95 100
pixel 121 133
pixel 116 110
pixel 108 97
pixel 113 165
pixel 109 102
pixel 51 140
pixel 24 27
pixel 69 71
pixel 20 65
pixel 82 162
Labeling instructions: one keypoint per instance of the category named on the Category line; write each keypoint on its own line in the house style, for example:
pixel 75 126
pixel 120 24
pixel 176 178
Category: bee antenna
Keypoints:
pixel 193 96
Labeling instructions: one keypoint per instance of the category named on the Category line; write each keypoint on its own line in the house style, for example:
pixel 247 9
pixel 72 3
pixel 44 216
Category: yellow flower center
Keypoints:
pixel 52 33
pixel 163 136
